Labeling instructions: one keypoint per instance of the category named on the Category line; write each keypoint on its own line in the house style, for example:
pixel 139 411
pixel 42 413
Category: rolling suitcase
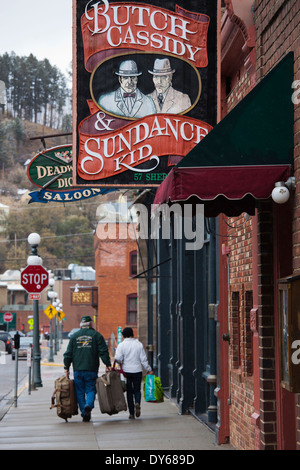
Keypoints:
pixel 65 397
pixel 110 393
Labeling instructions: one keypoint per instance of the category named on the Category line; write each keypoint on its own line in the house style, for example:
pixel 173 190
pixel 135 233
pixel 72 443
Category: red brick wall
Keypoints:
pixel 242 432
pixel 277 33
pixel 112 264
pixel 239 243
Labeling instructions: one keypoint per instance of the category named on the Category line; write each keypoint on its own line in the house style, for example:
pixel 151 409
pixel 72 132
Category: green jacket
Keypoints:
pixel 84 349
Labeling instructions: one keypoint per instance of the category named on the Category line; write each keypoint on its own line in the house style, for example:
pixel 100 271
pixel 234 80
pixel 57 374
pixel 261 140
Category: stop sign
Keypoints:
pixel 34 279
pixel 8 317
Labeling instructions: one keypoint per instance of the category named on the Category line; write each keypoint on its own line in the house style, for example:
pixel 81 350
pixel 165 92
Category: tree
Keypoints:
pixel 35 90
pixel 67 123
pixel 19 132
pixel 66 233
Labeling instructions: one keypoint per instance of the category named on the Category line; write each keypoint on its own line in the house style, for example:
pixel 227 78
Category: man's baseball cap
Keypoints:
pixel 86 319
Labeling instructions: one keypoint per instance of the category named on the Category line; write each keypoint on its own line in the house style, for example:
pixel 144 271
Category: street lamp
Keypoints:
pixel 34 240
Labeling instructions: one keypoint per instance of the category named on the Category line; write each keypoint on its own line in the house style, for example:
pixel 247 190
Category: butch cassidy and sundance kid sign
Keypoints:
pixel 145 87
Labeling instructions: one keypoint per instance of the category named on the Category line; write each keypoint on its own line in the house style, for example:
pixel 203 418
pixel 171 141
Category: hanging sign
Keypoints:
pixel 85 296
pixel 52 171
pixel 43 196
pixel 54 164
pixel 146 88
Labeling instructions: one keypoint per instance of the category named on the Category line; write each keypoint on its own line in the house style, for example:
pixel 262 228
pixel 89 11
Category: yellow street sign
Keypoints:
pixel 50 312
pixel 61 315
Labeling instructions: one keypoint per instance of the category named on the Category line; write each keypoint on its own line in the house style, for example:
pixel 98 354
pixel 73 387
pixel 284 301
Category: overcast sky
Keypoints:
pixel 40 27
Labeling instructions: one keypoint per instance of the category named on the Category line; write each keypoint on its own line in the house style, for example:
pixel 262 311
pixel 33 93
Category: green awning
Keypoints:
pixel 243 156
pixel 258 131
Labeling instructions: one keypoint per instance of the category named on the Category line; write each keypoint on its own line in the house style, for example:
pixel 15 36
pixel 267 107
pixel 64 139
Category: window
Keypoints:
pixel 132 309
pixel 248 360
pixel 241 333
pixel 236 329
pixel 133 263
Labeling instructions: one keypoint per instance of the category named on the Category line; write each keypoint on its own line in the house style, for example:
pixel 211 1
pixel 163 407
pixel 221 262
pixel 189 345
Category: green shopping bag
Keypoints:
pixel 153 391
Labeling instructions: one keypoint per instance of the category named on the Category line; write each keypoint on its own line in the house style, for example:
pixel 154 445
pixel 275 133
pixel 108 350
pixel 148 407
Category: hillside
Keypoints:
pixel 32 147
pixel 15 153
pixel 66 229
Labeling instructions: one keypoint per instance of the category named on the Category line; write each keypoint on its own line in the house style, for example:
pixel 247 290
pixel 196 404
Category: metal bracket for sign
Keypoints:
pixel 43 137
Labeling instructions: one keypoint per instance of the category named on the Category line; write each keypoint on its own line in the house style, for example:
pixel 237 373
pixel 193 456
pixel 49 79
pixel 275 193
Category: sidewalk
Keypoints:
pixel 33 426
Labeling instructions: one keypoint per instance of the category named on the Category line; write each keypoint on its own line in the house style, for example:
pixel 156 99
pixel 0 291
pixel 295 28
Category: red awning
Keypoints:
pixel 228 190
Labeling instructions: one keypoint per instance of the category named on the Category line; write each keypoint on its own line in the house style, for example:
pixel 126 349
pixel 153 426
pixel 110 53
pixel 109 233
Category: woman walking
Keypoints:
pixel 131 355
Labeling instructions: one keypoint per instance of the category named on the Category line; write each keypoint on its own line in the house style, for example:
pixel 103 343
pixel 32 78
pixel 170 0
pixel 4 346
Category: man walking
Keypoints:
pixel 84 349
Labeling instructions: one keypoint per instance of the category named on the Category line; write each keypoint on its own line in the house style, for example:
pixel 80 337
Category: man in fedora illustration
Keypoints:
pixel 165 97
pixel 127 100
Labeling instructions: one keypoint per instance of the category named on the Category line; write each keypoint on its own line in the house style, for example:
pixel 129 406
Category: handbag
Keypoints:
pixel 153 391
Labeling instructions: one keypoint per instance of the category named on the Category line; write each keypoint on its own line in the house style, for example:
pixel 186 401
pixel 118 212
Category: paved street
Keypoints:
pixel 7 374
pixel 32 425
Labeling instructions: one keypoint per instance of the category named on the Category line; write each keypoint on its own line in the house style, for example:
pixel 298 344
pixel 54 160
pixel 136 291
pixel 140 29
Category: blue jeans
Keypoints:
pixel 85 386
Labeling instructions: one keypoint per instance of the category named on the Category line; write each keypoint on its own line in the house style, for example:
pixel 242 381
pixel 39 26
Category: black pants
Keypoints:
pixel 133 390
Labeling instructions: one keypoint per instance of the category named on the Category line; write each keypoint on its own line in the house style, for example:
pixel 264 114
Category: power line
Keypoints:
pixel 48 237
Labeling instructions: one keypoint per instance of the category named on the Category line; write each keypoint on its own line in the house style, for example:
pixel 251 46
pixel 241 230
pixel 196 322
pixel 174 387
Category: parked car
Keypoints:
pixel 25 343
pixel 73 331
pixel 6 338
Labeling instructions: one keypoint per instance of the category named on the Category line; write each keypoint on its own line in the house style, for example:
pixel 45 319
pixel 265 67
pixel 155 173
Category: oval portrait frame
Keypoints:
pixel 111 70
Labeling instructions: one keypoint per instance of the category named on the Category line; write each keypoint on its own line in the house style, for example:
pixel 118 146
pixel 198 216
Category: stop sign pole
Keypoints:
pixel 33 260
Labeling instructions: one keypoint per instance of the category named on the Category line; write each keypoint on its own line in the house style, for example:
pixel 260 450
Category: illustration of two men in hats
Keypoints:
pixel 129 101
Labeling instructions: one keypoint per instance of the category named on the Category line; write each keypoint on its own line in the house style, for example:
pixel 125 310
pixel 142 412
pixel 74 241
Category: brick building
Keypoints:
pixel 14 298
pixel 73 312
pixel 116 264
pixel 259 249
pixel 232 300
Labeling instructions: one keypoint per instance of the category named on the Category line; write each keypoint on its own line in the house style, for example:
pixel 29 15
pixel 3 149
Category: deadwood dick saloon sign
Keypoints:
pixel 145 87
